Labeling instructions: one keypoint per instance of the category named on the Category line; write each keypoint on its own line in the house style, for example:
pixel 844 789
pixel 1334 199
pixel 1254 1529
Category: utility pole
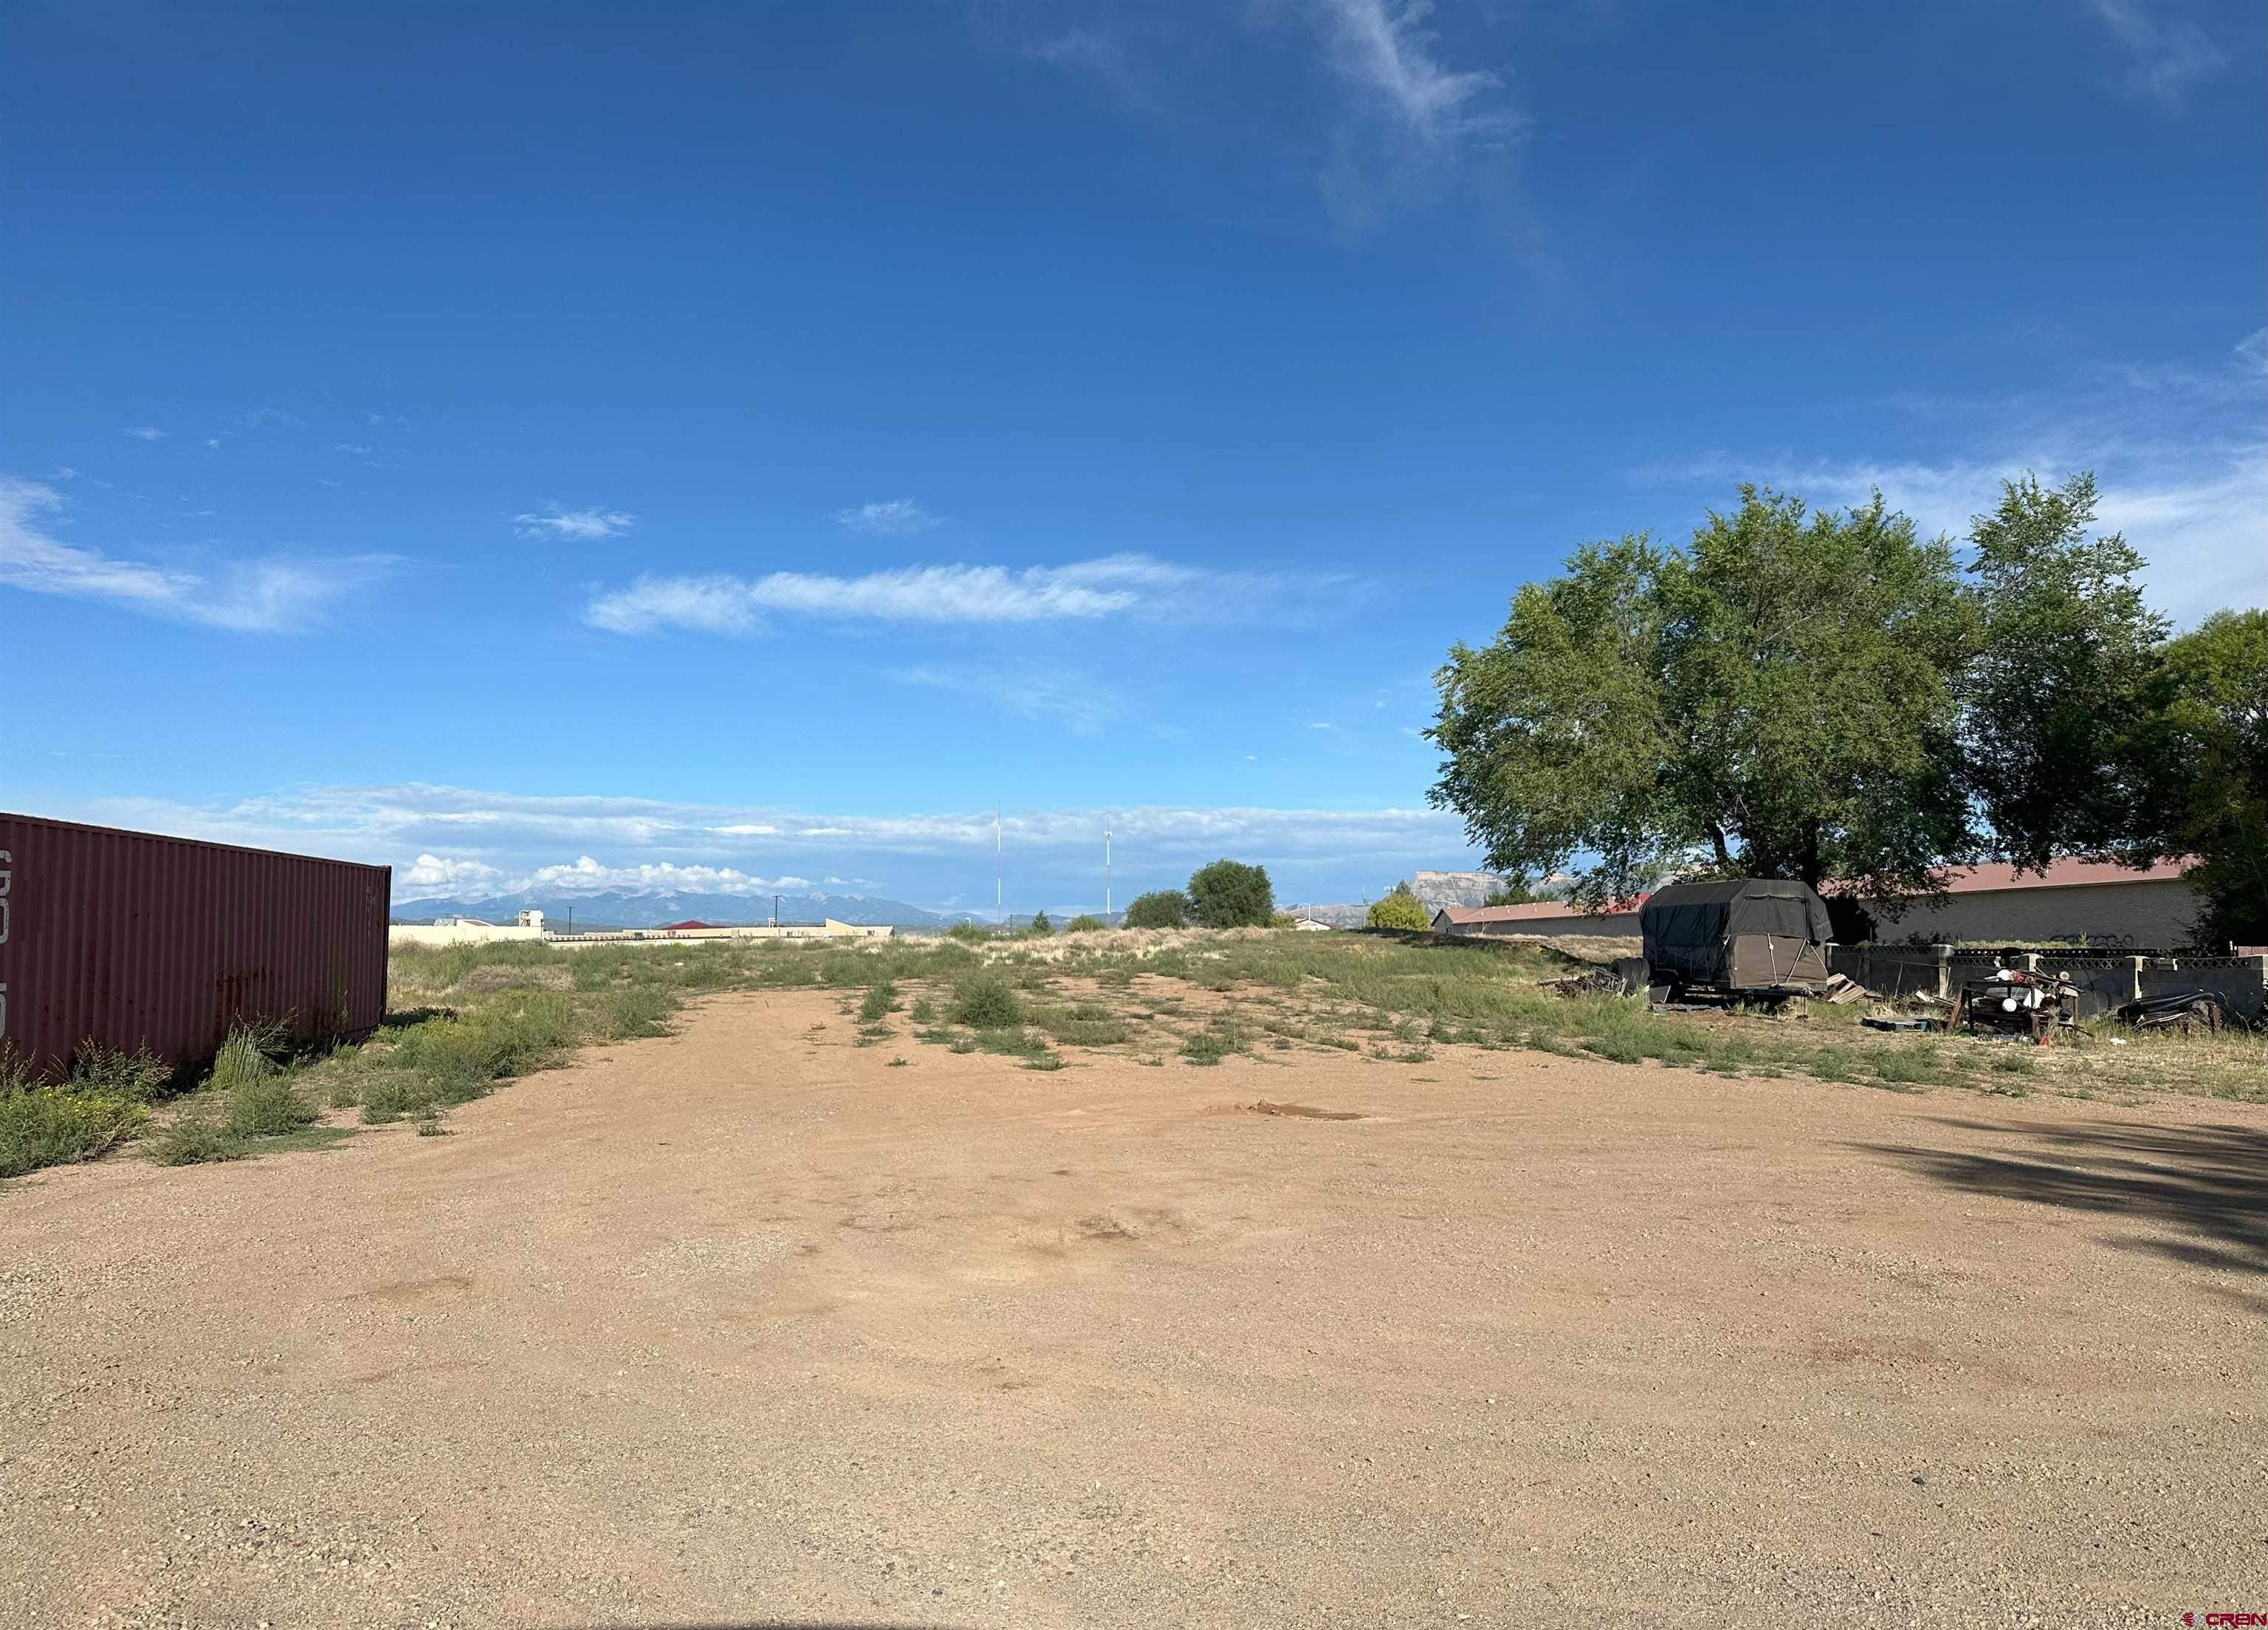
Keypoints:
pixel 776 900
pixel 999 909
pixel 1106 869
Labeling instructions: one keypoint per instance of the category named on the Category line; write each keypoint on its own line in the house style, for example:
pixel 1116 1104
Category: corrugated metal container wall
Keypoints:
pixel 133 939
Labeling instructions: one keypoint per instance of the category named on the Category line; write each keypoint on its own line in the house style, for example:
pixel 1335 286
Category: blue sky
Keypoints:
pixel 685 442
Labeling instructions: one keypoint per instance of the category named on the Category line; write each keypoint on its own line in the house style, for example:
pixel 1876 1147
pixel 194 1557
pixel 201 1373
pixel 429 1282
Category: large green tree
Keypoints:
pixel 1400 909
pixel 1779 699
pixel 1229 895
pixel 1161 908
pixel 2062 676
pixel 2199 764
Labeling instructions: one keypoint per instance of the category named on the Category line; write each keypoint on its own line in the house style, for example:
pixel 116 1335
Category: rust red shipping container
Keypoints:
pixel 133 940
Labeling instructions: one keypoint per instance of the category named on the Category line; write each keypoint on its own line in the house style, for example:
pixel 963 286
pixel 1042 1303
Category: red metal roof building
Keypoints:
pixel 2097 902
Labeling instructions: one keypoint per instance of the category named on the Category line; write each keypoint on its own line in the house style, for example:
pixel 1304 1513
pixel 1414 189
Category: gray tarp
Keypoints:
pixel 1741 934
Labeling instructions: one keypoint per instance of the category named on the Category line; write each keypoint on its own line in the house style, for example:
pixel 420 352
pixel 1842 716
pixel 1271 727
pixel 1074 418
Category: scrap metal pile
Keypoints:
pixel 2015 1001
pixel 2184 1012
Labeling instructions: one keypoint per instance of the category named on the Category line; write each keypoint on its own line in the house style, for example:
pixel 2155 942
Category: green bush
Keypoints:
pixel 969 933
pixel 1214 1043
pixel 195 1138
pixel 1161 908
pixel 266 1107
pixel 1229 895
pixel 140 1076
pixel 986 1002
pixel 1042 926
pixel 1401 909
pixel 1084 923
pixel 880 1002
pixel 46 1126
pixel 103 1101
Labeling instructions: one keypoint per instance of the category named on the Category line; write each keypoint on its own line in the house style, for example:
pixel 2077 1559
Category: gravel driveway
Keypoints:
pixel 746 1325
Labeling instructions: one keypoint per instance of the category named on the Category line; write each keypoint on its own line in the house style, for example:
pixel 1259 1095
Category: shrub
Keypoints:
pixel 986 1002
pixel 140 1076
pixel 1229 895
pixel 195 1139
pixel 103 1101
pixel 969 933
pixel 1401 909
pixel 1042 926
pixel 637 1011
pixel 1213 1043
pixel 880 1002
pixel 1083 923
pixel 1162 908
pixel 46 1126
pixel 266 1108
pixel 242 1062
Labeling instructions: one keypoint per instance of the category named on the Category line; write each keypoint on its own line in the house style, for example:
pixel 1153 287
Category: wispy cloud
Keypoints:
pixel 1393 118
pixel 1080 704
pixel 900 518
pixel 582 525
pixel 2166 51
pixel 358 450
pixel 1114 585
pixel 1387 51
pixel 268 419
pixel 146 433
pixel 273 595
pixel 2182 468
pixel 445 839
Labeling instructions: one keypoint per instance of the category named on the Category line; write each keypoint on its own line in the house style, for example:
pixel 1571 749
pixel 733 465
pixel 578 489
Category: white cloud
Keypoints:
pixel 358 451
pixel 1386 49
pixel 586 876
pixel 1113 585
pixel 1079 704
pixel 264 596
pixel 2181 468
pixel 1388 122
pixel 900 518
pixel 2168 52
pixel 145 433
pixel 438 877
pixel 649 843
pixel 582 525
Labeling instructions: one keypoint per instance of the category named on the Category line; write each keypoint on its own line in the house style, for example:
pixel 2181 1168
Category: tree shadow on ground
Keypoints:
pixel 2209 1182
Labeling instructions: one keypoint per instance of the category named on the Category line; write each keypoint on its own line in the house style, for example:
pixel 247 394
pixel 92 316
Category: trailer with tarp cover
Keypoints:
pixel 1737 937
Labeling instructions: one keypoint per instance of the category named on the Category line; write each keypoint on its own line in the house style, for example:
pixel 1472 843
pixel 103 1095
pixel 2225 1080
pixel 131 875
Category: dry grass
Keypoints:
pixel 470 1017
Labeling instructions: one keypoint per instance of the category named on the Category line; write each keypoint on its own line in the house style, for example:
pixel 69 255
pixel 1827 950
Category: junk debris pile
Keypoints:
pixel 2034 1006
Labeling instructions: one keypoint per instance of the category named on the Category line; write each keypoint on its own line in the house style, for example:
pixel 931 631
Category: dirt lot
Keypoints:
pixel 746 1325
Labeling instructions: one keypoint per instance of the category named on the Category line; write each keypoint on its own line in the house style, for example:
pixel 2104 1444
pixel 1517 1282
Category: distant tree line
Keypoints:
pixel 1827 696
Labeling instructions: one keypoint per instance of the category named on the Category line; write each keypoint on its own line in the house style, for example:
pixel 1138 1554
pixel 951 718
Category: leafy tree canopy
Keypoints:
pixel 1401 909
pixel 1162 908
pixel 2067 653
pixel 2200 761
pixel 1779 699
pixel 1229 895
pixel 1086 922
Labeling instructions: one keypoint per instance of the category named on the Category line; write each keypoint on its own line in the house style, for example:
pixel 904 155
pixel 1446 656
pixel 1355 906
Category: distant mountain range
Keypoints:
pixel 622 910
